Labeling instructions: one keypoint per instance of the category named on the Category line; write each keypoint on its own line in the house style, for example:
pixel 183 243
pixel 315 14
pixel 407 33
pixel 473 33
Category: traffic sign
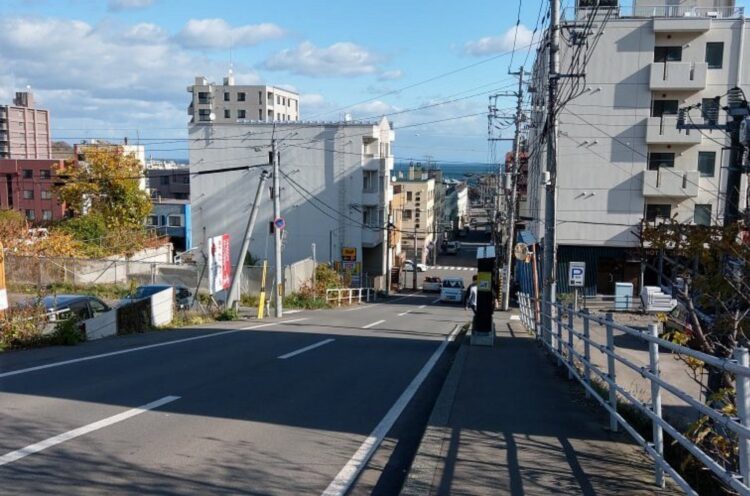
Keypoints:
pixel 577 274
pixel 279 223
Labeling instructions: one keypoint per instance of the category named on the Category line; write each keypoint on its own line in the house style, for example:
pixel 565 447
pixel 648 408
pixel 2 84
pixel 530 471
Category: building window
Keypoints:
pixel 164 180
pixel 28 194
pixel 46 214
pixel 269 100
pixel 44 174
pixel 657 160
pixel 714 54
pixel 661 108
pixel 28 174
pixel 702 215
pixel 260 98
pixel 175 220
pixel 408 196
pixel 241 96
pixel 710 111
pixel 667 54
pixel 706 163
pixel 658 211
pixel 407 214
pixel 30 214
pixel 152 220
pixel 226 96
pixel 270 115
pixel 240 114
pixel 278 99
pixel 204 115
pixel 203 97
pixel 46 194
pixel 227 113
pixel 260 114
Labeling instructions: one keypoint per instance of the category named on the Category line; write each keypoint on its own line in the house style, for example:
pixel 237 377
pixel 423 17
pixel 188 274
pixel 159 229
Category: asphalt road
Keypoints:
pixel 294 406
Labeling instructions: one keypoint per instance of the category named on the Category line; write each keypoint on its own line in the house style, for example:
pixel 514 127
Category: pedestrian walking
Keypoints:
pixel 470 296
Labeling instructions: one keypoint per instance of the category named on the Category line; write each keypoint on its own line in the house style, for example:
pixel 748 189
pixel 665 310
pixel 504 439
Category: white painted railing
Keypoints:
pixel 350 295
pixel 570 328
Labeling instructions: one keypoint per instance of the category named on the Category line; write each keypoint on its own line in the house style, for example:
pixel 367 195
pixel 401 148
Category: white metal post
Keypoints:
pixel 611 373
pixel 558 322
pixel 570 340
pixel 658 434
pixel 586 351
pixel 742 401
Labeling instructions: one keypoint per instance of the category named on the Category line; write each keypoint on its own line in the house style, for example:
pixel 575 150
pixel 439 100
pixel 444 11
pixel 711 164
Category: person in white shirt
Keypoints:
pixel 471 296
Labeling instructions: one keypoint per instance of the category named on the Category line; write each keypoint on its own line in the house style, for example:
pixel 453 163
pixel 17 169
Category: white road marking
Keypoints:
pixel 421 306
pixel 515 317
pixel 292 320
pixel 370 305
pixel 436 300
pixel 306 348
pixel 343 481
pixel 290 312
pixel 373 324
pixel 140 348
pixel 81 431
pixel 404 313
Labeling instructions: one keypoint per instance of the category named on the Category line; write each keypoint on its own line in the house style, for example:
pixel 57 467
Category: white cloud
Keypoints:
pixel 390 75
pixel 146 33
pixel 117 5
pixel 340 59
pixel 218 33
pixel 490 45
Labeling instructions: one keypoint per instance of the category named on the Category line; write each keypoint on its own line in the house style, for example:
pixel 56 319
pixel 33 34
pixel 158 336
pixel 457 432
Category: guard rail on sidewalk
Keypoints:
pixel 569 327
pixel 350 295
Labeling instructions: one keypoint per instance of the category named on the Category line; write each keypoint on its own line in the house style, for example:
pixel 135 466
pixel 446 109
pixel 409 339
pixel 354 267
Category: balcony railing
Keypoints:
pixel 663 131
pixel 678 75
pixel 667 182
pixel 649 11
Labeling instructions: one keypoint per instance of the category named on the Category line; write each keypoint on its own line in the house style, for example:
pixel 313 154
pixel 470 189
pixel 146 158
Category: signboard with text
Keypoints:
pixel 348 254
pixel 219 264
pixel 577 274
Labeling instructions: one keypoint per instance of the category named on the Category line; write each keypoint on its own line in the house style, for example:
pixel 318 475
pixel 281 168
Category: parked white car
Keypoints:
pixel 433 284
pixel 409 266
pixel 452 290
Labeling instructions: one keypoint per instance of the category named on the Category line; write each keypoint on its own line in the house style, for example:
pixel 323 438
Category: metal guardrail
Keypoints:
pixel 350 295
pixel 577 326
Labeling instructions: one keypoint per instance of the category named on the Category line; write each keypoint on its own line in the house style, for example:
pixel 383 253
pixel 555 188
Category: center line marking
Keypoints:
pixel 373 324
pixel 421 306
pixel 306 348
pixel 436 300
pixel 81 431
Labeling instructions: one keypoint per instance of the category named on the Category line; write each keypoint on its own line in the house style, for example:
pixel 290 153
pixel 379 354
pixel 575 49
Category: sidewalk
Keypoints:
pixel 508 422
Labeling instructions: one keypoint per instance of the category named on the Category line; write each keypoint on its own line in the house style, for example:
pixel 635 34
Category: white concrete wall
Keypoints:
pixel 162 307
pixel 324 160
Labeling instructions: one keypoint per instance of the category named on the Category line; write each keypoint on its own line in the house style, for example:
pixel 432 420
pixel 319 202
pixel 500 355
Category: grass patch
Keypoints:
pixel 305 300
pixel 103 291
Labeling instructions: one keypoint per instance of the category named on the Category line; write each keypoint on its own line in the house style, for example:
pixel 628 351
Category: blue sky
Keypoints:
pixel 114 68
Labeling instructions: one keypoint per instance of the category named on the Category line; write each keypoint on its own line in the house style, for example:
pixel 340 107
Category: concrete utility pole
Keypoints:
pixel 549 265
pixel 277 232
pixel 388 256
pixel 234 290
pixel 414 265
pixel 511 214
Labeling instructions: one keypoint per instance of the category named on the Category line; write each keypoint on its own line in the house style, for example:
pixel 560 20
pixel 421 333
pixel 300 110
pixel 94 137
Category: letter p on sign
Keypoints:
pixel 577 274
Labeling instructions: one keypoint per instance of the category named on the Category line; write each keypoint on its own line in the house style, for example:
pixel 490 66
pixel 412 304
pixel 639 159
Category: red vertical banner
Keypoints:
pixel 226 262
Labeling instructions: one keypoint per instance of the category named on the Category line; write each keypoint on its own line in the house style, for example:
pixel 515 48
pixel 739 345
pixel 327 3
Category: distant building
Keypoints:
pixel 335 190
pixel 396 208
pixel 418 213
pixel 26 185
pixel 229 103
pixel 24 129
pixel 172 218
pixel 456 212
pixel 138 151
pixel 168 180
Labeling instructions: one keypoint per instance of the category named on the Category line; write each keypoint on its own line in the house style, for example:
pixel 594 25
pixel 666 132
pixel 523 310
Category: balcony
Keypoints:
pixel 372 163
pixel 653 11
pixel 371 237
pixel 668 182
pixel 678 76
pixel 663 131
pixel 685 24
pixel 371 197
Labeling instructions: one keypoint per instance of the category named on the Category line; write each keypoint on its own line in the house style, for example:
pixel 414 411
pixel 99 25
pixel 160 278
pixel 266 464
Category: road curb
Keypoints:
pixel 425 463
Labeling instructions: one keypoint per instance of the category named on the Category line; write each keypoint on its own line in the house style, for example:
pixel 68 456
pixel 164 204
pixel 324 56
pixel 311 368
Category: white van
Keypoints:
pixel 452 290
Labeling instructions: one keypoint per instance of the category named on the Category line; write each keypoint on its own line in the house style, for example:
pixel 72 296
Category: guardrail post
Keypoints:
pixel 339 292
pixel 350 296
pixel 570 340
pixel 611 373
pixel 359 295
pixel 537 323
pixel 658 435
pixel 558 321
pixel 742 402
pixel 586 350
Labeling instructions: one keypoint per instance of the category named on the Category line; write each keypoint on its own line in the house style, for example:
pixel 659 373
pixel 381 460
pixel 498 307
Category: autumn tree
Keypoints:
pixel 107 185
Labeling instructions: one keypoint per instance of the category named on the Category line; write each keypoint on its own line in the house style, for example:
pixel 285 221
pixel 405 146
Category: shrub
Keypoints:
pixel 68 332
pixel 228 314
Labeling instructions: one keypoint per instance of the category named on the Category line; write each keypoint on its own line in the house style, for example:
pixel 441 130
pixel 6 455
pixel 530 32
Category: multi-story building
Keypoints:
pixel 335 190
pixel 172 218
pixel 456 212
pixel 417 220
pixel 168 180
pixel 230 103
pixel 24 129
pixel 27 185
pixel 621 158
pixel 138 151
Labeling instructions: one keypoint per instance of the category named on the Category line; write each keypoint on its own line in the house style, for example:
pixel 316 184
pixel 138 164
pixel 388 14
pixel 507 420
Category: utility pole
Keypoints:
pixel 277 232
pixel 414 265
pixel 549 265
pixel 388 256
pixel 234 290
pixel 511 214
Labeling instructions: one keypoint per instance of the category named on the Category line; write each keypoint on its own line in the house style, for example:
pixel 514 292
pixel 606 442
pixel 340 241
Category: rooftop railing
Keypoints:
pixel 647 11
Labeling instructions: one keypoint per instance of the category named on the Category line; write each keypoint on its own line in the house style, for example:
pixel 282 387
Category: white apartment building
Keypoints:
pixel 335 188
pixel 621 158
pixel 418 215
pixel 230 103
